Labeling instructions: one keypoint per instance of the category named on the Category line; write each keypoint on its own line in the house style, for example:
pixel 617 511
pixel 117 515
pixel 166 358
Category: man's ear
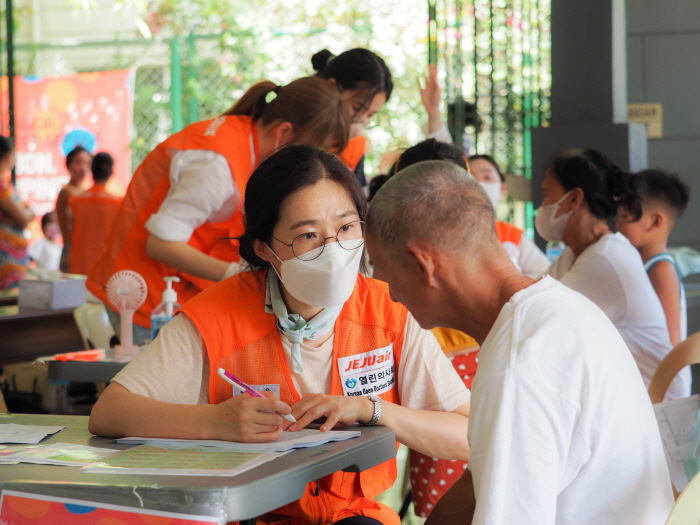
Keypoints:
pixel 422 262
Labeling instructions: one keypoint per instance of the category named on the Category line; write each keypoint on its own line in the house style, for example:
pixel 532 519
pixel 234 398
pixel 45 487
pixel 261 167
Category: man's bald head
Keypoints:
pixel 433 201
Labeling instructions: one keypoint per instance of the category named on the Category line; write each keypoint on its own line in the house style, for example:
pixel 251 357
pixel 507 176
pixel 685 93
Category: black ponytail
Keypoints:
pixel 605 185
pixel 357 68
pixel 320 60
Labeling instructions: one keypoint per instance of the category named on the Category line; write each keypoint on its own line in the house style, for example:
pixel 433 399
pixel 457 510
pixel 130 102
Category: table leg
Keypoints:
pixel 58 397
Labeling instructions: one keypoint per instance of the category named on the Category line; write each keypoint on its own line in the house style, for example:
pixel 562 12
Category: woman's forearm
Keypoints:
pixel 185 258
pixel 438 434
pixel 120 413
pixel 21 214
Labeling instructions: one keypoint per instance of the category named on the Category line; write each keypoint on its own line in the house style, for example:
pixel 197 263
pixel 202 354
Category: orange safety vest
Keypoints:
pixel 241 338
pixel 353 152
pixel 94 211
pixel 231 137
pixel 508 233
pixel 451 340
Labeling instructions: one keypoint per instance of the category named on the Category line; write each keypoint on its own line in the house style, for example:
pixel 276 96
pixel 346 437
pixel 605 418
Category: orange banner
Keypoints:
pixel 17 508
pixel 55 114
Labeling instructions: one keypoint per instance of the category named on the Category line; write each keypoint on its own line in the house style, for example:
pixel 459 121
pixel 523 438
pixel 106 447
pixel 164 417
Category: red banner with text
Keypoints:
pixel 55 114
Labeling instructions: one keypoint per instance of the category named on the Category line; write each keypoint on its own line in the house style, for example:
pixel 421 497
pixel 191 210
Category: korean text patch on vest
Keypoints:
pixel 275 389
pixel 368 373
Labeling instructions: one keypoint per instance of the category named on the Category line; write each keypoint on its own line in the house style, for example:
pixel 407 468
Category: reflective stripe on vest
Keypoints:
pixel 126 245
pixel 353 152
pixel 242 338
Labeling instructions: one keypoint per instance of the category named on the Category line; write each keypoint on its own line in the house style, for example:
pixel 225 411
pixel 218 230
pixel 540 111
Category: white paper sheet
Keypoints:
pixel 25 434
pixel 677 425
pixel 63 454
pixel 304 438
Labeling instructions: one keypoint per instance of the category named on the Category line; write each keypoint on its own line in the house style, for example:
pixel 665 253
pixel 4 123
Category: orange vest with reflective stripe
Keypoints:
pixel 94 212
pixel 126 246
pixel 353 152
pixel 241 338
pixel 508 233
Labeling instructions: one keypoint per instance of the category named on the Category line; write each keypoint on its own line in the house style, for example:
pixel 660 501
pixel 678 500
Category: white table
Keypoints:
pixel 239 498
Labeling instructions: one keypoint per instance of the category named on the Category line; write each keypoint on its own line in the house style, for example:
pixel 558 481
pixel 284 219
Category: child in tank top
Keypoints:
pixel 664 199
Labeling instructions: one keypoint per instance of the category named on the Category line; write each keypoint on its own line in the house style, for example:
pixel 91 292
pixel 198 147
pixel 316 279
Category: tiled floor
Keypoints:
pixel 393 497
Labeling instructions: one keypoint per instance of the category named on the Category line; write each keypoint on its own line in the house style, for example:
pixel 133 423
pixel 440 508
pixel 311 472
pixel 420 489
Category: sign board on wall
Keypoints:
pixel 649 114
pixel 55 114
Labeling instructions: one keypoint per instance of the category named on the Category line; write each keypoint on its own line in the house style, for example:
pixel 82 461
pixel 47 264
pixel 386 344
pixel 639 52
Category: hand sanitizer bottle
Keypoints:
pixel 163 313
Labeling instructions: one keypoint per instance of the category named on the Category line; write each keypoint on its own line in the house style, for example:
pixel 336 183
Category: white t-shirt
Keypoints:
pixel 175 368
pixel 46 254
pixel 561 428
pixel 527 257
pixel 201 190
pixel 611 273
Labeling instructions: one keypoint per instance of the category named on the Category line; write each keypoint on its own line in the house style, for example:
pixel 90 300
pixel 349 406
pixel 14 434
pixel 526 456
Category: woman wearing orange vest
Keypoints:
pixel 366 84
pixel 186 198
pixel 306 325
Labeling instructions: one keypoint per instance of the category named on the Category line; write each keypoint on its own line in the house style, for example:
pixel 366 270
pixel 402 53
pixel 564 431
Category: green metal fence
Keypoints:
pixel 496 54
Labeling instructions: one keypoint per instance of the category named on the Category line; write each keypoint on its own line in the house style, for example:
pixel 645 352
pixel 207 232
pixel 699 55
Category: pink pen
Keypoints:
pixel 246 389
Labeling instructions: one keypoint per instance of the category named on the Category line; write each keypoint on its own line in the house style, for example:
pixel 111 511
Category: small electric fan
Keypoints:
pixel 126 291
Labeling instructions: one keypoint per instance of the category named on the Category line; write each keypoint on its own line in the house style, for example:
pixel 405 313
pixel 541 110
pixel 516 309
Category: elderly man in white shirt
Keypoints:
pixel 561 428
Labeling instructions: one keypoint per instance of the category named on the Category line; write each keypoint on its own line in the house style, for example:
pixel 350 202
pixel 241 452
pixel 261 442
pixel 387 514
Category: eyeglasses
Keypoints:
pixel 309 246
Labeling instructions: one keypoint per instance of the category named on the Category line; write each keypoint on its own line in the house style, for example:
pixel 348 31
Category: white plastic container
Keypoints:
pixel 163 313
pixel 67 292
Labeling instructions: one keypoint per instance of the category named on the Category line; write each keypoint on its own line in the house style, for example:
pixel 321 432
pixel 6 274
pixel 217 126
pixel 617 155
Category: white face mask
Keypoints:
pixel 549 227
pixel 325 281
pixel 494 190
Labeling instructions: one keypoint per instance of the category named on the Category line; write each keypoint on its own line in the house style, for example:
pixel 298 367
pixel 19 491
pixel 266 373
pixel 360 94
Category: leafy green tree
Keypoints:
pixel 275 40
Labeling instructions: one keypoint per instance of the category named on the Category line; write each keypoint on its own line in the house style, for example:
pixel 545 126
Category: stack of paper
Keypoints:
pixel 179 461
pixel 25 434
pixel 677 425
pixel 288 441
pixel 64 454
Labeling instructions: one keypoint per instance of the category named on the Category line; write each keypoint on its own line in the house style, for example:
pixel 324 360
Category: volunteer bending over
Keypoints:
pixel 365 83
pixel 186 197
pixel 304 323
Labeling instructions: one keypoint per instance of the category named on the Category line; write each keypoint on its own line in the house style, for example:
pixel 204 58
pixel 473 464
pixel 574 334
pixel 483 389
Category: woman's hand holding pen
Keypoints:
pixel 250 419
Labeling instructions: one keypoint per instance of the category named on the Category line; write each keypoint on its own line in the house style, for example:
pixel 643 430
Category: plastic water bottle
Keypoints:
pixel 554 250
pixel 163 313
